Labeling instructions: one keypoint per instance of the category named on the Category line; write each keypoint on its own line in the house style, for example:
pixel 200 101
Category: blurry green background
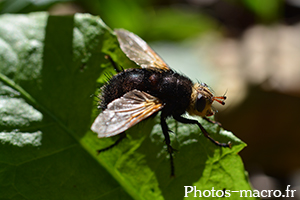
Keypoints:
pixel 249 48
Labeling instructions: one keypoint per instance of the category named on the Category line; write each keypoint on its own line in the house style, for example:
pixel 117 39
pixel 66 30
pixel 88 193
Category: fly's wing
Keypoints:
pixel 139 51
pixel 124 112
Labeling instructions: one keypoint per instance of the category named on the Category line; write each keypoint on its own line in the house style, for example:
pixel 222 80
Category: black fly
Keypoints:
pixel 133 95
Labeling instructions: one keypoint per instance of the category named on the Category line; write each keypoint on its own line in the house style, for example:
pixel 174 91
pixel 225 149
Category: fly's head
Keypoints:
pixel 202 99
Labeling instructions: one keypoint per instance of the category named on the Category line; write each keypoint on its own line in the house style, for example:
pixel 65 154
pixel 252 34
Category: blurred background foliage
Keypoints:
pixel 164 19
pixel 248 47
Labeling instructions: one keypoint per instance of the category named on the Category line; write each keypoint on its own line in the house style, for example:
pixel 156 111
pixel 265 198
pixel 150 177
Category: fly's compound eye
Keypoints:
pixel 200 103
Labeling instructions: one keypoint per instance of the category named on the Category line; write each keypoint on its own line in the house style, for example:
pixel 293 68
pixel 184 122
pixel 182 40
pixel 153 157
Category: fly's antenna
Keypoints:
pixel 221 99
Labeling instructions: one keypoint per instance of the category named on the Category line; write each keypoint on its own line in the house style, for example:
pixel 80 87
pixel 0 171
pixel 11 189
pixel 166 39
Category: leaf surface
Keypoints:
pixel 49 68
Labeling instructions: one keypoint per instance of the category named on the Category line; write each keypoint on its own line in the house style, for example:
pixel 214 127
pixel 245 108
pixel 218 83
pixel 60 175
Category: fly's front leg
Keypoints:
pixel 213 122
pixel 191 121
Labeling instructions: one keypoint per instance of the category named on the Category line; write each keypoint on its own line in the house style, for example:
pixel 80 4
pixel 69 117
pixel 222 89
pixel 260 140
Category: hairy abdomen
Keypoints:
pixel 170 87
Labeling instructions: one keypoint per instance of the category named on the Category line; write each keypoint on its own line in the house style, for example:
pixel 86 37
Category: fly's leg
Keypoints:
pixel 122 136
pixel 191 121
pixel 114 64
pixel 165 130
pixel 213 122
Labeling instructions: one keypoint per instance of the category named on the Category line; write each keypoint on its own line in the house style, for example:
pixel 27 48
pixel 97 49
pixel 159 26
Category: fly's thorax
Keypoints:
pixel 201 101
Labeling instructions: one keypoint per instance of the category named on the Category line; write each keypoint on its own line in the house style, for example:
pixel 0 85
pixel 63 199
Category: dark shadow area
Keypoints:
pixel 269 123
pixel 70 71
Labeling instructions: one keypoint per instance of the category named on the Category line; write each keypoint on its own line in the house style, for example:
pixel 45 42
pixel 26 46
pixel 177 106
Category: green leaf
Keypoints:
pixel 49 68
pixel 23 6
pixel 267 11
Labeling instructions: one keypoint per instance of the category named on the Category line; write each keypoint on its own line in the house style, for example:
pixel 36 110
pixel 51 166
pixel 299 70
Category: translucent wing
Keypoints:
pixel 139 51
pixel 124 112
